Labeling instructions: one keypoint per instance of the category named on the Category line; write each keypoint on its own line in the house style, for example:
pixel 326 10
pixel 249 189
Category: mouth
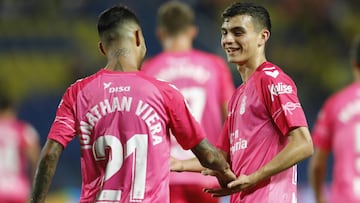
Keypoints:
pixel 232 51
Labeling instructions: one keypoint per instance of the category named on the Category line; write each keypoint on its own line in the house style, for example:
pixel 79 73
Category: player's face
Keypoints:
pixel 239 39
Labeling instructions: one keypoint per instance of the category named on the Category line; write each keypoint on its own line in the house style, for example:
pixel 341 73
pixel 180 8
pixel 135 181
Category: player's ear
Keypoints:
pixel 101 48
pixel 193 31
pixel 137 37
pixel 263 36
pixel 160 34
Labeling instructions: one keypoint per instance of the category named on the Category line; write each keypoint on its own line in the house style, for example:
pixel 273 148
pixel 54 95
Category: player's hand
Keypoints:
pixel 223 178
pixel 175 165
pixel 243 182
pixel 321 199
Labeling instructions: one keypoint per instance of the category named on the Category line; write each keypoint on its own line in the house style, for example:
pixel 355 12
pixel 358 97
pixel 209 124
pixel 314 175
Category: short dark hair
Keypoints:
pixel 257 12
pixel 113 18
pixel 5 100
pixel 174 17
pixel 355 51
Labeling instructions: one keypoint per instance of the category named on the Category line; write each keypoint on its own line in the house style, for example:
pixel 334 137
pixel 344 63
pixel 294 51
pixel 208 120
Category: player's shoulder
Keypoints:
pixel 345 92
pixel 158 83
pixel 82 82
pixel 269 72
pixel 161 85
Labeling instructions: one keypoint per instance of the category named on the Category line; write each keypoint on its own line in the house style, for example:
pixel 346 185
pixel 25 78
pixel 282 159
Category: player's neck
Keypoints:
pixel 122 65
pixel 122 60
pixel 7 114
pixel 177 44
pixel 246 69
pixel 356 73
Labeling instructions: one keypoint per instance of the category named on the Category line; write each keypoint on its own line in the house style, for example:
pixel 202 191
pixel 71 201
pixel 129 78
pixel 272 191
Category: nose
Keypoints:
pixel 227 39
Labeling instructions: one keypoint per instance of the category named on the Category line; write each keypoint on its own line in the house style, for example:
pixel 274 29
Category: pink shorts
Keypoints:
pixel 190 194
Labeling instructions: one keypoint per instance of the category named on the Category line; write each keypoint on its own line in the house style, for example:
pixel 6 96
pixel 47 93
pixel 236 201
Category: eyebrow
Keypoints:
pixel 232 29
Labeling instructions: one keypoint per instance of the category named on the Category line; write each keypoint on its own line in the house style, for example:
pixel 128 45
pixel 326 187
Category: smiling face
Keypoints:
pixel 240 39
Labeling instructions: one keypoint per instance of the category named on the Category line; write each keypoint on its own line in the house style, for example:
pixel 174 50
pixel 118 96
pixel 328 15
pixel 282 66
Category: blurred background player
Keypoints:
pixel 205 81
pixel 337 130
pixel 123 119
pixel 19 151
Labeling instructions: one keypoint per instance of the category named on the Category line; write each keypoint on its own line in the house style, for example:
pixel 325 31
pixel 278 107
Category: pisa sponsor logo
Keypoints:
pixel 116 88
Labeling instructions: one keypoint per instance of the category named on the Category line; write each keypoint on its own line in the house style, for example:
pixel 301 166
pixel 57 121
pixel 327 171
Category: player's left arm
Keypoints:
pixel 298 148
pixel 45 171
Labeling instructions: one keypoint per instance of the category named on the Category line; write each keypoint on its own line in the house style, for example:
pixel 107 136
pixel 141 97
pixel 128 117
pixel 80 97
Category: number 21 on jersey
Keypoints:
pixel 137 147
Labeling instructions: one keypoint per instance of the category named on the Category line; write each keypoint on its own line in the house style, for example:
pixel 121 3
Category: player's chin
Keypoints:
pixel 232 59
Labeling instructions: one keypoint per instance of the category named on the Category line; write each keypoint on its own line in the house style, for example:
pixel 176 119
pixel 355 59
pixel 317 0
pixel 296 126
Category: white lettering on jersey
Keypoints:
pixel 289 107
pixel 183 69
pixel 236 142
pixel 107 85
pixel 152 120
pixel 349 110
pixel 97 112
pixel 119 89
pixel 279 88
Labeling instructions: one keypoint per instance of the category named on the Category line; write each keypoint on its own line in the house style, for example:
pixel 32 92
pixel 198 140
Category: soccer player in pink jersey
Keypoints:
pixel 19 152
pixel 205 81
pixel 337 130
pixel 265 134
pixel 123 121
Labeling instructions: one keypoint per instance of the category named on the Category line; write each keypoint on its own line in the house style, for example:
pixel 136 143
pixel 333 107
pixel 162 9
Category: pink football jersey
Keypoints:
pixel 261 113
pixel 337 129
pixel 122 120
pixel 15 136
pixel 205 81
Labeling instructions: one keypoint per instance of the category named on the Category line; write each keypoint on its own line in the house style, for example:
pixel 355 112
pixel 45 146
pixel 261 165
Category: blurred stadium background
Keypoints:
pixel 46 45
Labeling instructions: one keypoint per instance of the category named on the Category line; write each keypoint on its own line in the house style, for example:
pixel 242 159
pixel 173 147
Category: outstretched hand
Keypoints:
pixel 243 182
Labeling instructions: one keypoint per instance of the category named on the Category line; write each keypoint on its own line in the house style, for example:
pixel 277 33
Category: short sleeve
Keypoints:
pixel 185 128
pixel 63 127
pixel 281 100
pixel 322 132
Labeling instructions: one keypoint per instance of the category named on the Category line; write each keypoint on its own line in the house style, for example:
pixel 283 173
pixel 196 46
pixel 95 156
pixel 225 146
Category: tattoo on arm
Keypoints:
pixel 45 172
pixel 210 157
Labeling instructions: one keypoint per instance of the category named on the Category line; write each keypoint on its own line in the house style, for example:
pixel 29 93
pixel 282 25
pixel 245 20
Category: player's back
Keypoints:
pixel 338 130
pixel 14 180
pixel 122 119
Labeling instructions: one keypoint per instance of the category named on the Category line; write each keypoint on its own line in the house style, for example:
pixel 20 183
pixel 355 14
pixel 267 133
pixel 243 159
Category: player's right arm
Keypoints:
pixel 46 167
pixel 61 133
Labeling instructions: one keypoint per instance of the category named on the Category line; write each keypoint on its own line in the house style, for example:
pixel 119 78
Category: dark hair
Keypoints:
pixel 113 18
pixel 355 51
pixel 174 17
pixel 257 12
pixel 5 101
